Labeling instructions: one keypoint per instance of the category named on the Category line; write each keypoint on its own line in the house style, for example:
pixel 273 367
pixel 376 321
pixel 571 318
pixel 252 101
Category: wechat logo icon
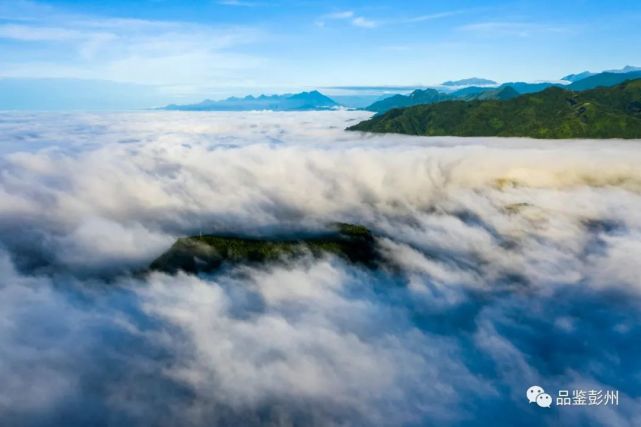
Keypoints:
pixel 536 394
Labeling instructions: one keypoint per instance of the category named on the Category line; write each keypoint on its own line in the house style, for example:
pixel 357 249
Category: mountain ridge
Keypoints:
pixel 470 93
pixel 613 112
pixel 302 101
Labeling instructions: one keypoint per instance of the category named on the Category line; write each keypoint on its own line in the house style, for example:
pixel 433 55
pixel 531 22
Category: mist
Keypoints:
pixel 515 263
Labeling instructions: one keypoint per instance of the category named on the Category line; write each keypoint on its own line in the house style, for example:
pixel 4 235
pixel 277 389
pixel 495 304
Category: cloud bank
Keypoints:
pixel 516 265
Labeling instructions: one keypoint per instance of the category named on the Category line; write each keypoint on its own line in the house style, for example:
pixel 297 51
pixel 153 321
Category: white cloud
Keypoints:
pixel 434 16
pixel 497 245
pixel 347 16
pixel 362 22
pixel 340 15
pixel 359 21
pixel 518 29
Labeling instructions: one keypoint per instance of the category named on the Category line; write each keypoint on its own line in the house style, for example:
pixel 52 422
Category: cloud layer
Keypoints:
pixel 516 265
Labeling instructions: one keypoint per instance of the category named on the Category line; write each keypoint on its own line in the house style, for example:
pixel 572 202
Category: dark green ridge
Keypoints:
pixel 207 253
pixel 608 112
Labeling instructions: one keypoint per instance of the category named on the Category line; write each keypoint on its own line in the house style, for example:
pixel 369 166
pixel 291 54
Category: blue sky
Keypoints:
pixel 209 47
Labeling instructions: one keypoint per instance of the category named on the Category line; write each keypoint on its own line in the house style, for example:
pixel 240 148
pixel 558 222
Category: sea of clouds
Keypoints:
pixel 516 262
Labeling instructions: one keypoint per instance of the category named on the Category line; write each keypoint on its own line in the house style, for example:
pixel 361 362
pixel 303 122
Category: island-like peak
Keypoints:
pixel 206 253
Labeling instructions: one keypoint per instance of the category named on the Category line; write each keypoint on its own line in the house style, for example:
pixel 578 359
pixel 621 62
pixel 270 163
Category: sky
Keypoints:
pixel 214 48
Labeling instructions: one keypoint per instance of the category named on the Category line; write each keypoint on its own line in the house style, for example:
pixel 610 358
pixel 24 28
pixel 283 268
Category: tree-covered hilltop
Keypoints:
pixel 207 253
pixel 612 112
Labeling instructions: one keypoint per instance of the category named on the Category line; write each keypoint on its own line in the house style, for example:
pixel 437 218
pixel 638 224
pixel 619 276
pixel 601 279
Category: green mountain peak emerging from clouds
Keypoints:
pixel 613 112
pixel 207 253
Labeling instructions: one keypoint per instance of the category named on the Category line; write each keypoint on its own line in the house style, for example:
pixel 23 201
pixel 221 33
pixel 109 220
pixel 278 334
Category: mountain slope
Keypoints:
pixel 426 96
pixel 604 79
pixel 578 76
pixel 432 96
pixel 585 74
pixel 554 113
pixel 525 88
pixel 500 94
pixel 303 101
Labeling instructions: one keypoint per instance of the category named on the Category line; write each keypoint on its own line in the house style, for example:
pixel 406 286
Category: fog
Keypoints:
pixel 513 262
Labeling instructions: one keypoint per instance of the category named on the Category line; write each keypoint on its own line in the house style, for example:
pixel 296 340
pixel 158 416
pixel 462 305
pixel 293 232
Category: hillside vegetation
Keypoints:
pixel 207 253
pixel 613 112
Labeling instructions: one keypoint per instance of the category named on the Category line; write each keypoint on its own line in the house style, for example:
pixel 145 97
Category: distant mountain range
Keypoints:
pixel 80 94
pixel 474 81
pixel 586 74
pixel 603 80
pixel 432 96
pixel 582 81
pixel 303 101
pixel 605 112
pixel 425 96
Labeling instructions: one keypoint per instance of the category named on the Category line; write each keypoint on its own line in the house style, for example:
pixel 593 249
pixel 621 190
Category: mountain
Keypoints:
pixel 524 88
pixel 501 93
pixel 613 112
pixel 474 81
pixel 432 96
pixel 304 101
pixel 604 79
pixel 576 77
pixel 585 74
pixel 425 96
pixel 357 100
pixel 466 92
pixel 207 253
pixel 626 69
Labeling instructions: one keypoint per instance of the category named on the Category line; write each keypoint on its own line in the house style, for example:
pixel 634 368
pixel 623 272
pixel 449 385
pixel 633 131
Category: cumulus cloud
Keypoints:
pixel 511 263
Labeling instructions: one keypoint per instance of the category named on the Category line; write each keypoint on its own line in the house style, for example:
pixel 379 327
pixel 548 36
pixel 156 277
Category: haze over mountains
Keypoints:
pixel 303 101
pixel 432 96
pixel 466 90
pixel 473 81
pixel 82 94
pixel 506 90
pixel 585 74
